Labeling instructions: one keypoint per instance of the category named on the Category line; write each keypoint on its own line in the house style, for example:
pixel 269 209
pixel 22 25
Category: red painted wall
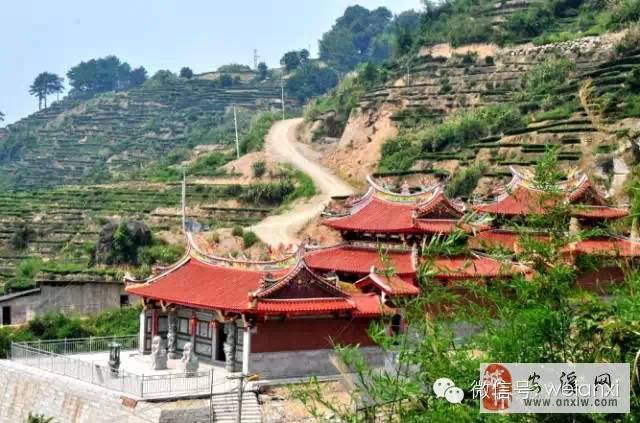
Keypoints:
pixel 600 280
pixel 308 334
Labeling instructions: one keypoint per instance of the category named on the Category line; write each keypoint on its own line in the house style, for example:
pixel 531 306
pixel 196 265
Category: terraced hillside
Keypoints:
pixel 436 103
pixel 64 223
pixel 114 134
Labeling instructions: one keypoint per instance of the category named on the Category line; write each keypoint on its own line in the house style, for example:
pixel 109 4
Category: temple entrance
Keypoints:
pixel 221 338
pixel 6 315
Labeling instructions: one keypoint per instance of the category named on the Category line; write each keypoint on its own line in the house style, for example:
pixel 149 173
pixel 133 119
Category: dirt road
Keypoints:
pixel 281 146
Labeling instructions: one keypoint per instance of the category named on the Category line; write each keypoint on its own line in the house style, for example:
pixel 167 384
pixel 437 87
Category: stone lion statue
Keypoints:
pixel 189 360
pixel 158 354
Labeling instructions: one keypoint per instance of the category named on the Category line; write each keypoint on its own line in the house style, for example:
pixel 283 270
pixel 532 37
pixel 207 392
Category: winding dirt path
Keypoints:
pixel 281 146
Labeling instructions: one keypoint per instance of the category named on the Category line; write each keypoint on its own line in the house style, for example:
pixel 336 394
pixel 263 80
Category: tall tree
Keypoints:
pixel 45 84
pixel 263 71
pixel 350 40
pixel 186 73
pixel 104 74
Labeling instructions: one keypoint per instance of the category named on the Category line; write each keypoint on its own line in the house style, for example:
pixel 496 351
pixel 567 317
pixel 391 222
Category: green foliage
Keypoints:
pixel 310 80
pixel 45 84
pixel 259 168
pixel 464 182
pixel 466 126
pixel 116 322
pixel 268 193
pixel 253 140
pixel 249 238
pixel 263 71
pixel 234 68
pixel 545 77
pixel 630 41
pixel 292 60
pixel 105 74
pixel 209 164
pixel 38 418
pixel 160 254
pixel 351 40
pixel 237 230
pixel 126 246
pixel 26 272
pixel 398 154
pixel 186 73
pixel 21 236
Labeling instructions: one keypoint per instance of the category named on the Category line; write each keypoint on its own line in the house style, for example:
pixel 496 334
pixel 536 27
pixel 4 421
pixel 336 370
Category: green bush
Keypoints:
pixel 209 164
pixel 249 238
pixel 237 231
pixel 259 168
pixel 253 140
pixel 463 183
pixel 545 77
pixel 162 254
pixel 269 193
pixel 398 154
pixel 116 322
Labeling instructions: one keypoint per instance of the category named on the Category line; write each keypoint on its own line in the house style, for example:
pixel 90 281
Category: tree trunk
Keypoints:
pixel 39 103
pixel 45 101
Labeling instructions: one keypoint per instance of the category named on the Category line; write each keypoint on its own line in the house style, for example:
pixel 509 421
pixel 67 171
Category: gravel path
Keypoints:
pixel 281 146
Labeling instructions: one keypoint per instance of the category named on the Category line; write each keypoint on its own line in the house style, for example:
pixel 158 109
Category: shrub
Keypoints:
pixel 259 168
pixel 163 254
pixel 237 231
pixel 253 140
pixel 271 193
pixel 249 238
pixel 209 164
pixel 489 61
pixel 630 41
pixel 463 183
pixel 22 236
pixel 548 75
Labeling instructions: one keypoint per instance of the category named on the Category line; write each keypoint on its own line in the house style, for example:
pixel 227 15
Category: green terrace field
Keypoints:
pixel 64 222
pixel 115 134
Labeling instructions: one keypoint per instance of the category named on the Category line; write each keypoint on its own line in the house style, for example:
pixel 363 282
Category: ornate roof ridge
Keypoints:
pixel 205 257
pixel 378 188
pixel 279 283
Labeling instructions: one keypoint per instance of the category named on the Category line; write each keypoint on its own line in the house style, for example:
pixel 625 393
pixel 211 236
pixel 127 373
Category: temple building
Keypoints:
pixel 275 323
pixel 283 318
pixel 520 198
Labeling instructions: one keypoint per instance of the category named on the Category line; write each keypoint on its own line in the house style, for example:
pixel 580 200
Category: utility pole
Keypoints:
pixel 235 122
pixel 184 200
pixel 255 58
pixel 282 99
pixel 211 397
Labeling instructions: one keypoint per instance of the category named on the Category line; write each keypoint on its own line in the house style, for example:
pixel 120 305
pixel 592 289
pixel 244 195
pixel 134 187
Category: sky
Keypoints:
pixel 41 35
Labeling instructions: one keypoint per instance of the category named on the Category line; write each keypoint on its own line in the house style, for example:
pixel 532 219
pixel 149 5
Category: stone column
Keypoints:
pixel 143 331
pixel 230 347
pixel 171 335
pixel 246 349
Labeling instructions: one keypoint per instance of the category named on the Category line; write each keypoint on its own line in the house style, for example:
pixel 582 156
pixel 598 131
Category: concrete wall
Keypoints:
pixel 279 365
pixel 22 308
pixel 86 298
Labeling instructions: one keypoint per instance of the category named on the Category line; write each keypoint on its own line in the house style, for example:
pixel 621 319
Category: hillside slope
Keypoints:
pixel 115 134
pixel 589 115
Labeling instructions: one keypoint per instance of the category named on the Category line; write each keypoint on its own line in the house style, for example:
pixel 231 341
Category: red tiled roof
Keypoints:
pixel 500 238
pixel 351 259
pixel 521 201
pixel 616 247
pixel 377 216
pixel 390 285
pixel 203 285
pixel 586 187
pixel 304 306
pixel 599 212
pixel 199 284
pixel 474 267
pixel 383 216
pixel 369 305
